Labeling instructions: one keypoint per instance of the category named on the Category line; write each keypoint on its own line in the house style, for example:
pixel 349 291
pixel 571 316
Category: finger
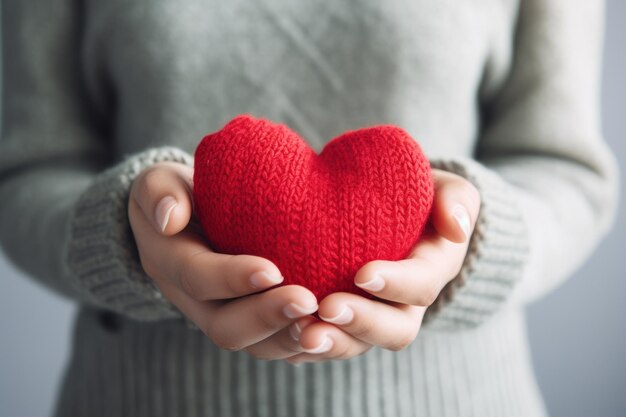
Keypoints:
pixel 237 324
pixel 322 341
pixel 163 192
pixel 207 275
pixel 245 321
pixel 281 345
pixel 200 313
pixel 391 326
pixel 186 261
pixel 417 280
pixel 455 206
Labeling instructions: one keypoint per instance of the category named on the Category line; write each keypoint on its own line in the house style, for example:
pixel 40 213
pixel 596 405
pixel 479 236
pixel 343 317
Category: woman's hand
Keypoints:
pixel 219 293
pixel 352 324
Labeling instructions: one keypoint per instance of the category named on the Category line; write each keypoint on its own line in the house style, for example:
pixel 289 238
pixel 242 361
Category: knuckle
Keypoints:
pixel 148 266
pixel 291 347
pixel 343 352
pixel 279 350
pixel 232 282
pixel 186 283
pixel 362 329
pixel 153 182
pixel 233 347
pixel 456 268
pixel 369 269
pixel 225 341
pixel 427 294
pixel 266 323
pixel 185 277
pixel 402 343
pixel 206 328
pixel 395 292
pixel 428 290
pixel 150 180
pixel 231 287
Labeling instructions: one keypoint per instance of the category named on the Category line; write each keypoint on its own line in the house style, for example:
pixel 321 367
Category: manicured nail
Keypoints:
pixel 163 211
pixel 345 316
pixel 461 216
pixel 374 284
pixel 293 311
pixel 263 279
pixel 325 346
pixel 295 331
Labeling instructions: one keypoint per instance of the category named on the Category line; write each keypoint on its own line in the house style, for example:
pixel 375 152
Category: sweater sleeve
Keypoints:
pixel 548 182
pixel 63 216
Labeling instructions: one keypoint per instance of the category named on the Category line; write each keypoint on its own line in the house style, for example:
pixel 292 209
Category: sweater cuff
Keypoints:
pixel 495 258
pixel 101 253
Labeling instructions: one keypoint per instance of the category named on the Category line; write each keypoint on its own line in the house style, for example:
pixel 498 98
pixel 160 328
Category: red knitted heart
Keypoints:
pixel 259 189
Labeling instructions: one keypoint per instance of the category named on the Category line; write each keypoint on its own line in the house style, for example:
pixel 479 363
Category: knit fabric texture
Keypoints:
pixel 502 93
pixel 259 189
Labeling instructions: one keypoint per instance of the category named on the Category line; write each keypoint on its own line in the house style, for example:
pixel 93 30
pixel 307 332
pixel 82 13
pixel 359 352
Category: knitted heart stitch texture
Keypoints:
pixel 259 189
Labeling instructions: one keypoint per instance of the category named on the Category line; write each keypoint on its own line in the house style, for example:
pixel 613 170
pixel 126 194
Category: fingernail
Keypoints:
pixel 345 316
pixel 374 284
pixel 163 211
pixel 263 279
pixel 294 363
pixel 461 216
pixel 295 331
pixel 294 311
pixel 325 346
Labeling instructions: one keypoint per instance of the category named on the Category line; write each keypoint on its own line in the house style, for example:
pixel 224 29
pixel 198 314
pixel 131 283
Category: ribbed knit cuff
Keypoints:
pixel 496 256
pixel 101 252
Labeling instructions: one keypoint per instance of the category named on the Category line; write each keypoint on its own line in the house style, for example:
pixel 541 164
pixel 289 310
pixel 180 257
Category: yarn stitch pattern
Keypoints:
pixel 259 189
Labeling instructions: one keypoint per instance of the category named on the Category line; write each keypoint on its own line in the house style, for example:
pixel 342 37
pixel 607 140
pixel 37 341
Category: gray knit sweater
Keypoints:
pixel 504 93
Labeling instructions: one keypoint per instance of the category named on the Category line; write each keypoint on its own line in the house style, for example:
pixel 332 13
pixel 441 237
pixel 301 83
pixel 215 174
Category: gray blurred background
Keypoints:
pixel 578 332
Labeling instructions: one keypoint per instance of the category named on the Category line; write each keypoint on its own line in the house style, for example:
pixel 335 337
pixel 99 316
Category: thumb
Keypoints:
pixel 455 207
pixel 163 192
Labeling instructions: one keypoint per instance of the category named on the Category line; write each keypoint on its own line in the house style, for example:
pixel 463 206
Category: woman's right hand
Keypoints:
pixel 221 294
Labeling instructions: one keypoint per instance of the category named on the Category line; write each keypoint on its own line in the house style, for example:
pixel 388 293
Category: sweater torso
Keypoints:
pixel 170 72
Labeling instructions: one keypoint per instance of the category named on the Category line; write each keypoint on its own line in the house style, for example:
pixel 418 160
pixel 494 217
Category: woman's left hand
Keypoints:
pixel 351 324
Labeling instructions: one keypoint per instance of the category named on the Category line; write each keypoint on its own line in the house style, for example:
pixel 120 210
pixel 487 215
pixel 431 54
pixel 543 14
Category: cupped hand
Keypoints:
pixel 228 297
pixel 351 325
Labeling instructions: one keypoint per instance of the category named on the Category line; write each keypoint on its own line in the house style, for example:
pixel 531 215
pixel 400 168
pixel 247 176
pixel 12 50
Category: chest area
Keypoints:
pixel 320 66
pixel 331 39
